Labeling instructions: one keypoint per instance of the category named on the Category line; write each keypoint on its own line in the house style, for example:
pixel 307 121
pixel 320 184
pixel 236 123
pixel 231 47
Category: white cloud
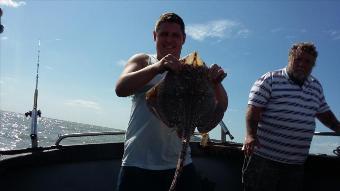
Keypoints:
pixel 4 38
pixel 83 104
pixel 12 3
pixel 334 34
pixel 217 29
pixel 243 33
pixel 121 62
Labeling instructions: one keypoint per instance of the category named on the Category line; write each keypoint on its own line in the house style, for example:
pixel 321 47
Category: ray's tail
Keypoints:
pixel 179 168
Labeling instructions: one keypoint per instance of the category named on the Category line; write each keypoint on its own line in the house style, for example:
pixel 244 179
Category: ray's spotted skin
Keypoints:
pixel 184 101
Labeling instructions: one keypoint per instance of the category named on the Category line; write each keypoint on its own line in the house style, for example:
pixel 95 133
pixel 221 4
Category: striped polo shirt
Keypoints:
pixel 287 124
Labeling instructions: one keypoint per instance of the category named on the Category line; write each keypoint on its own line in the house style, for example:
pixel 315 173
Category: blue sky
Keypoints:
pixel 84 45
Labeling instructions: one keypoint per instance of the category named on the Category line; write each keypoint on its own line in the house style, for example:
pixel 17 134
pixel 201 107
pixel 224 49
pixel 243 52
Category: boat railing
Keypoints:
pixel 326 134
pixel 89 134
pixel 225 131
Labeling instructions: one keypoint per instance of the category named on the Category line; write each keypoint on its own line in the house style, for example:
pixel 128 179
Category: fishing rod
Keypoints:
pixel 1 26
pixel 35 113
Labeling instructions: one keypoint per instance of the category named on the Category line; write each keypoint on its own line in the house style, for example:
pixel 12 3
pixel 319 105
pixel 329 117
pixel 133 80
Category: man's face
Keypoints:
pixel 300 65
pixel 169 40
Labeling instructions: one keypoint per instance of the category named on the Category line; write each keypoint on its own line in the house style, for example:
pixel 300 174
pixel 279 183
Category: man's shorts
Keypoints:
pixel 260 174
pixel 133 178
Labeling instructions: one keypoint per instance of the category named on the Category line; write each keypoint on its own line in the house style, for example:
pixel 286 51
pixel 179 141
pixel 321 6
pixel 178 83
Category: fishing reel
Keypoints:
pixel 30 113
pixel 1 26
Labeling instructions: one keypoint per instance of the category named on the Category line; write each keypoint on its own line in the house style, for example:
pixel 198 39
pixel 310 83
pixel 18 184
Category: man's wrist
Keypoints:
pixel 158 68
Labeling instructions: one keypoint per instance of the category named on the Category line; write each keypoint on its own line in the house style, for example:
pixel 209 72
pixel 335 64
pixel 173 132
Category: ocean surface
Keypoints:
pixel 15 130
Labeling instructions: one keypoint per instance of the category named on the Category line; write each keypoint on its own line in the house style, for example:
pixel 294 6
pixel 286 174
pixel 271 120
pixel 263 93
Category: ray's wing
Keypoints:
pixel 151 97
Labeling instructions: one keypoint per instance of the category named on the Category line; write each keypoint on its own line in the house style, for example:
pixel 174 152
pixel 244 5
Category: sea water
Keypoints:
pixel 15 132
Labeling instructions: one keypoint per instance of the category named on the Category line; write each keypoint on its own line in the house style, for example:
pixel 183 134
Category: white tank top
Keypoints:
pixel 149 143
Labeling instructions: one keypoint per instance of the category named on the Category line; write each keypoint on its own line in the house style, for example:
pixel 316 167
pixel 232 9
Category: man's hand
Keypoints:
pixel 169 63
pixel 217 74
pixel 249 143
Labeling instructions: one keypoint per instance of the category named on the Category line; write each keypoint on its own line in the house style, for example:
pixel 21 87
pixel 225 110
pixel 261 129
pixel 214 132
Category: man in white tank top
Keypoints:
pixel 151 149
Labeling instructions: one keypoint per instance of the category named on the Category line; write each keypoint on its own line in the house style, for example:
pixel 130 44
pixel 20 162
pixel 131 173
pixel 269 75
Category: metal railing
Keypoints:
pixel 225 131
pixel 89 134
pixel 326 134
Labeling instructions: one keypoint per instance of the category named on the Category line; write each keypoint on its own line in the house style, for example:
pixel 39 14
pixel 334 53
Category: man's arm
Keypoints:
pixel 253 117
pixel 135 75
pixel 329 120
pixel 137 72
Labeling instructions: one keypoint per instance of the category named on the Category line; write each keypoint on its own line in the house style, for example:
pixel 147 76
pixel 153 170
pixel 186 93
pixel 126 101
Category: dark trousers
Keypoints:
pixel 260 174
pixel 133 178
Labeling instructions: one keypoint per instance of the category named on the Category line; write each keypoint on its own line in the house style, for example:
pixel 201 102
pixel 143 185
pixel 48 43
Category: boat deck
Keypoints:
pixel 95 167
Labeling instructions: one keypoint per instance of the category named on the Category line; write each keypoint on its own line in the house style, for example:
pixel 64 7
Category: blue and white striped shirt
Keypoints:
pixel 287 124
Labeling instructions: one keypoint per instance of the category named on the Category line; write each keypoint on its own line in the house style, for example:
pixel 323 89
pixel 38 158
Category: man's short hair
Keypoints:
pixel 306 47
pixel 171 18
